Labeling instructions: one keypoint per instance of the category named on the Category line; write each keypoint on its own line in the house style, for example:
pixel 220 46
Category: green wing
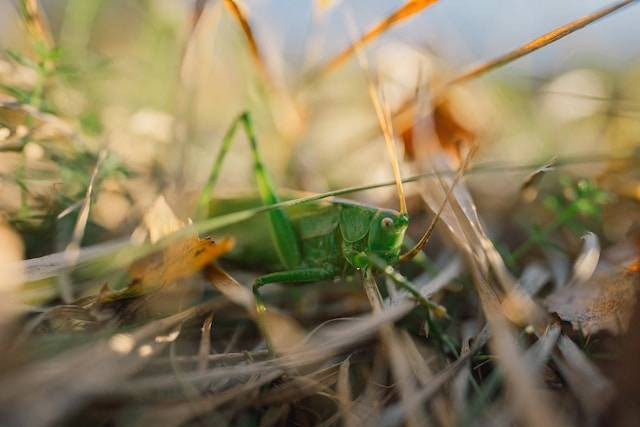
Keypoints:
pixel 254 247
pixel 354 221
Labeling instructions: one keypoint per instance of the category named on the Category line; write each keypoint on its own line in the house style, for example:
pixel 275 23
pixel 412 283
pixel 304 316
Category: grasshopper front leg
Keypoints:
pixel 404 283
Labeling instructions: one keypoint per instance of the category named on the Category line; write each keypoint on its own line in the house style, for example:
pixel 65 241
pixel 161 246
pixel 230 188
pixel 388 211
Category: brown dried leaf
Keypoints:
pixel 605 302
pixel 454 132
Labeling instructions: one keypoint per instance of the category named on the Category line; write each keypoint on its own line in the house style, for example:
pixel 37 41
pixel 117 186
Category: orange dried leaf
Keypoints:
pixel 180 260
pixel 454 135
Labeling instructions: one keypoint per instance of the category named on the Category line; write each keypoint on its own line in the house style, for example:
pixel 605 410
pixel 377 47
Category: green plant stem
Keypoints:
pixel 566 215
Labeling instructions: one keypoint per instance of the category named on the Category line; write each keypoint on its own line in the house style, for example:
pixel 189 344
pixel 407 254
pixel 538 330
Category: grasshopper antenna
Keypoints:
pixel 408 256
pixel 384 119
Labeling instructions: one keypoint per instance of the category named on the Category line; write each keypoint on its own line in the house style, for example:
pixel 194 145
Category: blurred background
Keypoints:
pixel 139 79
pixel 111 115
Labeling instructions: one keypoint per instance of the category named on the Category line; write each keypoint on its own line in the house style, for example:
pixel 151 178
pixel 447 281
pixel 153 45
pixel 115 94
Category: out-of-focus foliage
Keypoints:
pixel 110 115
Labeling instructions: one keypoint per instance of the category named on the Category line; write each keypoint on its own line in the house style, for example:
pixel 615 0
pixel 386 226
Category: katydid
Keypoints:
pixel 313 241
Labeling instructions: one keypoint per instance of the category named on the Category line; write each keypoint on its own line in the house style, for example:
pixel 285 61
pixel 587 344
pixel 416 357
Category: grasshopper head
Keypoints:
pixel 386 233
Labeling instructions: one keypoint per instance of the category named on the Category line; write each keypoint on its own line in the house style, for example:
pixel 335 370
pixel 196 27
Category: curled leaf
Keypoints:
pixel 588 260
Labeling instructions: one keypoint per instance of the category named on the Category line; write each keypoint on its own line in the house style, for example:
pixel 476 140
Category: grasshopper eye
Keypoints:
pixel 386 223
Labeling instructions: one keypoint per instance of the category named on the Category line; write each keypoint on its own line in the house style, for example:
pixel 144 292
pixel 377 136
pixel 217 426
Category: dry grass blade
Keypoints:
pixel 384 120
pixel 367 405
pixel 394 414
pixel 463 221
pixel 344 395
pixel 403 375
pixel 203 14
pixel 317 382
pixel 439 407
pixel 590 386
pixel 528 403
pixel 83 216
pixel 442 279
pixel 240 15
pixel 427 234
pixel 538 43
pixel 35 22
pixel 180 413
pixel 196 13
pixel 43 392
pixel 387 131
pixel 534 277
pixel 399 364
pixel 72 250
pixel 404 117
pixel 541 351
pixel 282 332
pixel 205 344
pixel 461 384
pixel 51 265
pixel 326 343
pixel 406 11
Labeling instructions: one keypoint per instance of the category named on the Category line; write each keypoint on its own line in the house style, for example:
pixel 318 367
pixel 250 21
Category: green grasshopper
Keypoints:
pixel 313 241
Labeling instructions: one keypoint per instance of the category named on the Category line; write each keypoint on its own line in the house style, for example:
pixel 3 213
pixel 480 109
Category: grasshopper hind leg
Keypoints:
pixel 282 231
pixel 289 277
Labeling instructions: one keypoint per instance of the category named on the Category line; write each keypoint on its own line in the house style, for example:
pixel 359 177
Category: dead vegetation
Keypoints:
pixel 117 309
